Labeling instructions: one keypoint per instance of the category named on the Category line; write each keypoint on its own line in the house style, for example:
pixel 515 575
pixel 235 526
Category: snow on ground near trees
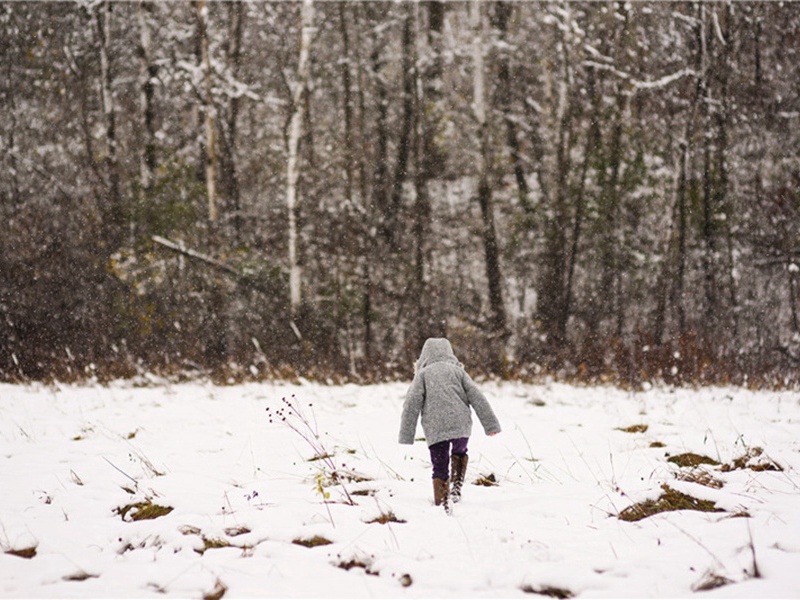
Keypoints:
pixel 73 457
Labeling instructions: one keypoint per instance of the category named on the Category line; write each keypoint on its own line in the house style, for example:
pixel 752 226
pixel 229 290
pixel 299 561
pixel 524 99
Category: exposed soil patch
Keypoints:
pixel 657 445
pixel 668 501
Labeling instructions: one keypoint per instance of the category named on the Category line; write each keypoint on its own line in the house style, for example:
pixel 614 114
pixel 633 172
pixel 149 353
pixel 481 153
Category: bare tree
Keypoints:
pixel 293 142
pixel 497 324
pixel 209 113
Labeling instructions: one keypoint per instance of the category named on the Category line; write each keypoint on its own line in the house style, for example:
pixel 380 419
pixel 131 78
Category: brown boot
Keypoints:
pixel 441 493
pixel 458 470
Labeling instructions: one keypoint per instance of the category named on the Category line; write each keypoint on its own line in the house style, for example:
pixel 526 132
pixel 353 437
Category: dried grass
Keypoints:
pixel 670 500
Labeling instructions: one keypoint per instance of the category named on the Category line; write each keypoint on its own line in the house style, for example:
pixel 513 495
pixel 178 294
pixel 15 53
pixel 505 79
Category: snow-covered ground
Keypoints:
pixel 72 457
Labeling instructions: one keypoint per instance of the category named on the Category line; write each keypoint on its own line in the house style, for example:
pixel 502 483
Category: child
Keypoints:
pixel 443 392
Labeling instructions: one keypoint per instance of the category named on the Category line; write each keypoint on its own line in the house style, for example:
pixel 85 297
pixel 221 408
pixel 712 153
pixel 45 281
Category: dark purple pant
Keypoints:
pixel 440 456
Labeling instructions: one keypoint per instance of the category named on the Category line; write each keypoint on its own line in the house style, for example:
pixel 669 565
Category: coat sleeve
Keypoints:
pixel 411 409
pixel 481 405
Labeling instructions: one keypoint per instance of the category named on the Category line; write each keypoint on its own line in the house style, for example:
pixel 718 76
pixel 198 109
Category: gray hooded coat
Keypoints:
pixel 443 392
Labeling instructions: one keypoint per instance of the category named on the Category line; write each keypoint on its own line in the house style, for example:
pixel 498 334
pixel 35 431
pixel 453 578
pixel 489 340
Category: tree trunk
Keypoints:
pixel 681 272
pixel 367 242
pixel 710 205
pixel 347 87
pixel 112 209
pixel 380 188
pixel 209 116
pixel 422 208
pixel 292 168
pixel 148 73
pixel 491 248
pixel 229 172
pixel 406 130
pixel 14 193
pixel 686 151
pixel 592 143
pixel 721 197
pixel 503 12
pixel 552 289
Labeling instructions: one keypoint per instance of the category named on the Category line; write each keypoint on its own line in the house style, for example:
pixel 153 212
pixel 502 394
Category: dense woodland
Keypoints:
pixel 597 191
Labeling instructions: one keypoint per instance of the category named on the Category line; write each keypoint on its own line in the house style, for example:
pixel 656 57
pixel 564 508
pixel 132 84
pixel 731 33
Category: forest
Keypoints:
pixel 250 190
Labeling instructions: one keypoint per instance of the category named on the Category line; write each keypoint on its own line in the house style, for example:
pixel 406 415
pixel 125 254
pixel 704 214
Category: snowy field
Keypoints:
pixel 243 493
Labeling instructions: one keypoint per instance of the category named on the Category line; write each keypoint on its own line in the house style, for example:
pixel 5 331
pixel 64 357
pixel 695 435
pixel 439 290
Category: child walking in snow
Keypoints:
pixel 443 392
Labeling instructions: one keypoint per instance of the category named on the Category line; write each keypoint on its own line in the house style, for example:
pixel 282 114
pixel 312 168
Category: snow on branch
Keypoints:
pixel 664 81
pixel 637 84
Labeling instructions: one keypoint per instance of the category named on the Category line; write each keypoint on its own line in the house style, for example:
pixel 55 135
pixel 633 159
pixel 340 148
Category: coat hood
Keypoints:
pixel 436 350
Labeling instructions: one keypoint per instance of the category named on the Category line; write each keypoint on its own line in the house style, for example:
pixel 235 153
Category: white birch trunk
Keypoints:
pixel 292 167
pixel 145 168
pixel 478 80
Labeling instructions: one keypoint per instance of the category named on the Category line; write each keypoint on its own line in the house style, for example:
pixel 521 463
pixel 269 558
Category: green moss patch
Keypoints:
pixel 669 500
pixel 23 552
pixel 313 542
pixel 640 428
pixel 143 511
pixel 690 459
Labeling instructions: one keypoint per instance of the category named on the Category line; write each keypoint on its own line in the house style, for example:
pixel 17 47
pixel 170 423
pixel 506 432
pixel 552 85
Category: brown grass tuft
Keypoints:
pixel 640 428
pixel 690 459
pixel 486 480
pixel 710 581
pixel 669 500
pixel 212 544
pixel 144 510
pixel 755 460
pixel 701 477
pixel 313 542
pixel 23 552
pixel 217 593
pixel 552 592
pixel 388 517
